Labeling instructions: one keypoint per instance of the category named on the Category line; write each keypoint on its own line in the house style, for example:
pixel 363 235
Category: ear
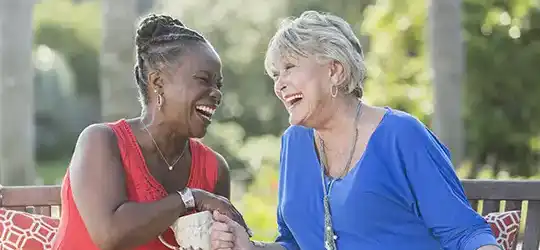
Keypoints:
pixel 337 72
pixel 155 81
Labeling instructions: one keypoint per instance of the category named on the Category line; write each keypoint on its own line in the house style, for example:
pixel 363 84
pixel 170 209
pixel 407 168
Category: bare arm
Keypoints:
pixel 99 191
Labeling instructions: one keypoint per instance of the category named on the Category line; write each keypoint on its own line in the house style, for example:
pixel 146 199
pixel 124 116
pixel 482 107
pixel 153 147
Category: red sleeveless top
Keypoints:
pixel 141 187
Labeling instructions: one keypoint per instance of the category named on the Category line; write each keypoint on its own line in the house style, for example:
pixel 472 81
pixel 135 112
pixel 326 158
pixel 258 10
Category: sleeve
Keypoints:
pixel 285 237
pixel 440 198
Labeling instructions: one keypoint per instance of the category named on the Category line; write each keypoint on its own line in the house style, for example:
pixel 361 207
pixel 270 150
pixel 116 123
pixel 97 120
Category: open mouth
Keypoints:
pixel 293 99
pixel 205 111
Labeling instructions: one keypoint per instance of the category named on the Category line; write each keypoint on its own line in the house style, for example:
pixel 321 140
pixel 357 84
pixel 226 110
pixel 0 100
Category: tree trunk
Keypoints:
pixel 17 126
pixel 118 89
pixel 445 42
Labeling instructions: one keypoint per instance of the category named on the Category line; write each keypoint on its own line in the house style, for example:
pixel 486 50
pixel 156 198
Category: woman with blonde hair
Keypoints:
pixel 352 175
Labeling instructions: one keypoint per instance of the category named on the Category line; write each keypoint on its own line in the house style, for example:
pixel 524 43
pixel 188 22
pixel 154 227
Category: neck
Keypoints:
pixel 170 142
pixel 340 119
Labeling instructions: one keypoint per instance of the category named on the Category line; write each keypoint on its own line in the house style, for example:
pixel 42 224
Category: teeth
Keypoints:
pixel 206 109
pixel 292 97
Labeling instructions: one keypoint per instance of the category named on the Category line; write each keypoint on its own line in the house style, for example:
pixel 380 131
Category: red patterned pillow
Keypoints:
pixel 20 230
pixel 505 227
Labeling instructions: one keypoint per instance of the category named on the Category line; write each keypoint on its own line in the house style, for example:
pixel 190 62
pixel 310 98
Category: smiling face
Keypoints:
pixel 191 92
pixel 303 85
pixel 312 59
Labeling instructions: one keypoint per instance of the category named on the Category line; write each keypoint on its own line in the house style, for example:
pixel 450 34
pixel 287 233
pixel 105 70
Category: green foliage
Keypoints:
pixel 258 205
pixel 396 61
pixel 501 87
pixel 76 34
pixel 502 83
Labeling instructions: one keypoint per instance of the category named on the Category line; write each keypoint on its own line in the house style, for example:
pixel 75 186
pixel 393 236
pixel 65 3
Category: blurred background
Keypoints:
pixel 468 69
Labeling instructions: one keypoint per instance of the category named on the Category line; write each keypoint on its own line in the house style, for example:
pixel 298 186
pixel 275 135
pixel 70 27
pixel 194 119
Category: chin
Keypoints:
pixel 198 135
pixel 294 120
pixel 198 126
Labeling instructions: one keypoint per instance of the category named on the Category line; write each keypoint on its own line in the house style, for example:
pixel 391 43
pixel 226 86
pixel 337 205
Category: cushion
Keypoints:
pixel 505 227
pixel 21 230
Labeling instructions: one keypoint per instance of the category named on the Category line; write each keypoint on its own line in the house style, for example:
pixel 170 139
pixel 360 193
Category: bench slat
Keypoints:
pixel 474 204
pixel 512 205
pixel 532 227
pixel 502 190
pixel 44 210
pixel 490 206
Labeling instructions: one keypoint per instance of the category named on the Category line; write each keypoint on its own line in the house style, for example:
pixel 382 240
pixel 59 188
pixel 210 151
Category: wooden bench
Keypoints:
pixel 485 196
pixel 33 199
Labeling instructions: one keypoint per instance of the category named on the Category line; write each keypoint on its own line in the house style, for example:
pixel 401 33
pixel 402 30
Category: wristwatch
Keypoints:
pixel 187 197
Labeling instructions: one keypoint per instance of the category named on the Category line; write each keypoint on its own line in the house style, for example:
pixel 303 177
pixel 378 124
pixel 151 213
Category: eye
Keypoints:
pixel 202 79
pixel 219 85
pixel 289 66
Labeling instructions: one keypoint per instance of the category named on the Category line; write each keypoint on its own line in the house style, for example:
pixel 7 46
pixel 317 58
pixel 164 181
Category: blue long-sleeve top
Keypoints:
pixel 402 194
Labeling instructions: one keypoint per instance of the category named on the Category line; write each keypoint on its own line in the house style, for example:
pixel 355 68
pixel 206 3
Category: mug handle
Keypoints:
pixel 160 237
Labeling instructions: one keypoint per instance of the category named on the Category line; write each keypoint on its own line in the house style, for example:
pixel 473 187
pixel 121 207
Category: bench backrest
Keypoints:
pixel 485 196
pixel 488 196
pixel 34 199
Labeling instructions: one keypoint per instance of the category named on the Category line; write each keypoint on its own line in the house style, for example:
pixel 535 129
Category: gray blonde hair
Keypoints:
pixel 325 36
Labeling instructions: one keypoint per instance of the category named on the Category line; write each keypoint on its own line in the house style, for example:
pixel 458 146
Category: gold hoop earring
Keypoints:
pixel 159 101
pixel 332 92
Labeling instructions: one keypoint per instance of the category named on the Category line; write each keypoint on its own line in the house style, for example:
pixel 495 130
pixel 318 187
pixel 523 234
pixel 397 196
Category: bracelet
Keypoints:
pixel 187 197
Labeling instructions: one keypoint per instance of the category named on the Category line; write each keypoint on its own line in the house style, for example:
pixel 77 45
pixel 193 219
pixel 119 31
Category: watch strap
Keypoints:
pixel 187 197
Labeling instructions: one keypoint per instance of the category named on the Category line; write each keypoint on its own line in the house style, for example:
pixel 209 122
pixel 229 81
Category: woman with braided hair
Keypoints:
pixel 131 179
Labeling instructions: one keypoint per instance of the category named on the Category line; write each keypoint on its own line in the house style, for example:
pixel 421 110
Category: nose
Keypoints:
pixel 279 85
pixel 216 96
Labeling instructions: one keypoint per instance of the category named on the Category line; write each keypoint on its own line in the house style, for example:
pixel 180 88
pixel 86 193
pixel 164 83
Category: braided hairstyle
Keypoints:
pixel 160 41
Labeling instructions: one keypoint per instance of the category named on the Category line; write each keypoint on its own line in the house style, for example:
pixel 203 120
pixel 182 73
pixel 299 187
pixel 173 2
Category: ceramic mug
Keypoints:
pixel 191 231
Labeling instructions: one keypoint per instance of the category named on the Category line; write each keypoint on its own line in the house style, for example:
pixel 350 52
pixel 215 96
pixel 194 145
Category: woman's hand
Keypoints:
pixel 206 201
pixel 226 234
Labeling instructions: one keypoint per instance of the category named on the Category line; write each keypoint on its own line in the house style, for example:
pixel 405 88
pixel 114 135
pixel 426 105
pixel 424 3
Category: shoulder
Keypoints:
pixel 402 121
pixel 410 134
pixel 96 144
pixel 402 126
pixel 97 135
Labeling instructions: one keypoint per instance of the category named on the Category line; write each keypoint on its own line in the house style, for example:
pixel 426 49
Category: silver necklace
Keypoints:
pixel 330 236
pixel 170 166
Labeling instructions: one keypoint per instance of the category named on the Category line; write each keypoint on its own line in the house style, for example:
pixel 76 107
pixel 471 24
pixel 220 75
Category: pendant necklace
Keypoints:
pixel 330 236
pixel 170 166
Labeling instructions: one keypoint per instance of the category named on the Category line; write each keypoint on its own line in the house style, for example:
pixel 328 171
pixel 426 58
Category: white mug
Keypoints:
pixel 191 231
